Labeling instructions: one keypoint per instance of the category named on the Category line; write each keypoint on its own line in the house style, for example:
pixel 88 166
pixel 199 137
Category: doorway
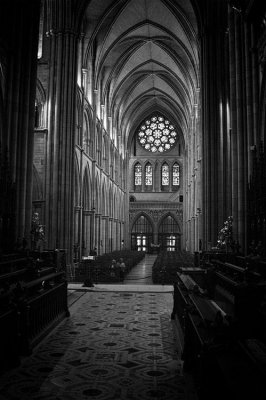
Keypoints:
pixel 141 235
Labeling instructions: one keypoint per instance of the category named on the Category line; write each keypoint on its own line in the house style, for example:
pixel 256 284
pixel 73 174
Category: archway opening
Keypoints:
pixel 169 234
pixel 141 235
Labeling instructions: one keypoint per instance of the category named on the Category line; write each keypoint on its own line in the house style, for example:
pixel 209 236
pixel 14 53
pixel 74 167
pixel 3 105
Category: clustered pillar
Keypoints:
pixel 61 128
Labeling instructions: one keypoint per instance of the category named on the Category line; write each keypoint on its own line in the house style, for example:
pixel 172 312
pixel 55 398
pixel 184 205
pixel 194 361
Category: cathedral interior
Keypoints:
pixel 133 129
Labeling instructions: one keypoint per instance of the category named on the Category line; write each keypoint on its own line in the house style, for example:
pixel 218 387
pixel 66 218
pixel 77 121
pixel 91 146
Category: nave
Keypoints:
pixel 115 345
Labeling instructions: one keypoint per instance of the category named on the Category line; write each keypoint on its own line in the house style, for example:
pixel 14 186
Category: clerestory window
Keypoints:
pixel 175 176
pixel 148 176
pixel 138 176
pixel 165 177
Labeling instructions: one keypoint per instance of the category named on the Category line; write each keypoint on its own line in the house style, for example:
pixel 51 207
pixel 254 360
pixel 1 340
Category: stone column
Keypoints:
pixel 98 232
pixel 233 111
pixel 19 30
pixel 110 244
pixel 86 232
pixel 87 218
pixel 249 104
pixel 255 86
pixel 105 230
pixel 209 129
pixel 241 129
pixel 61 126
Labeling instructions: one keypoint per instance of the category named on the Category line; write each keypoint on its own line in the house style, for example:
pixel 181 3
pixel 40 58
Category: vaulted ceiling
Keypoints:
pixel 145 58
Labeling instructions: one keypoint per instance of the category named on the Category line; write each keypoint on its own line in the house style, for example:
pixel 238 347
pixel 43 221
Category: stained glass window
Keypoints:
pixel 148 175
pixel 165 174
pixel 138 175
pixel 157 134
pixel 176 174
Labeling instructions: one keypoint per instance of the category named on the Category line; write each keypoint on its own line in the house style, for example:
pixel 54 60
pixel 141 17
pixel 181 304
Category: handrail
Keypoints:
pixel 43 278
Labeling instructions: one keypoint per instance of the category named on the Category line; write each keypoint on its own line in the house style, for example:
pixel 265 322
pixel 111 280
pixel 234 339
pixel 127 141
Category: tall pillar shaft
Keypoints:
pixel 241 129
pixel 233 110
pixel 19 33
pixel 61 131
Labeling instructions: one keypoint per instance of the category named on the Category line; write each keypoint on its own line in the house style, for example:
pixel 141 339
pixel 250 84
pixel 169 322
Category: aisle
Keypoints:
pixel 141 274
pixel 114 346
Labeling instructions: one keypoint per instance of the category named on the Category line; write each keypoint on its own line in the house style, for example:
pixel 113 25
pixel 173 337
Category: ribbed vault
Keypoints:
pixel 143 57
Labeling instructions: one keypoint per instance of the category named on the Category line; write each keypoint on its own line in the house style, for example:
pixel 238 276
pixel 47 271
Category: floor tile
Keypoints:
pixel 114 345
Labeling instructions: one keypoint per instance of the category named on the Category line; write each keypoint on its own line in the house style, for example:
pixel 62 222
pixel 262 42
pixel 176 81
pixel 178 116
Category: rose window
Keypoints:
pixel 157 135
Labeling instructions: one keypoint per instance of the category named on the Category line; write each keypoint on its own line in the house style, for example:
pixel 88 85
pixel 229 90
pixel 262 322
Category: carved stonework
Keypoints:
pixel 262 50
pixel 132 214
pixel 7 204
pixel 155 214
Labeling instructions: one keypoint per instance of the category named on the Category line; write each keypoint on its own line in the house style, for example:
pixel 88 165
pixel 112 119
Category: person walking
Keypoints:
pixel 122 270
pixel 113 269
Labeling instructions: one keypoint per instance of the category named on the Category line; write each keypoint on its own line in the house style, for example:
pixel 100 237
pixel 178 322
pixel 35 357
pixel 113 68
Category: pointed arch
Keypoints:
pixel 89 129
pixel 137 178
pixel 104 199
pixel 110 202
pixel 148 176
pixel 40 106
pixel 87 189
pixel 37 192
pixel 169 235
pixel 165 176
pixel 175 176
pixel 76 182
pixel 98 197
pixel 142 229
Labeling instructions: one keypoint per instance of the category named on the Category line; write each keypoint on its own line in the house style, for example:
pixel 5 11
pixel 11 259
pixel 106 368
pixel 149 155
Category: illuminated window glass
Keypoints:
pixel 176 175
pixel 148 175
pixel 138 175
pixel 165 175
pixel 157 134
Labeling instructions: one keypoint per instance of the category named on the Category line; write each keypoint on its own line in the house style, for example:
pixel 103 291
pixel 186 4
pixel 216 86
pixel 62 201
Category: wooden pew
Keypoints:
pixel 33 299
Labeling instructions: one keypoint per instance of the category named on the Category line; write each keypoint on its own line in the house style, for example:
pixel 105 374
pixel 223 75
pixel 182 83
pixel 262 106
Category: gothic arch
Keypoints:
pixel 76 182
pixel 146 215
pixel 169 238
pixel 142 236
pixel 104 198
pixel 171 214
pixel 111 215
pixel 132 177
pixel 98 199
pixel 86 189
pixel 164 186
pixel 116 171
pixel 40 105
pixel 263 108
pixel 119 202
pixel 89 129
pixel 37 192
pixel 2 84
pixel 115 203
pixel 112 161
pixel 145 172
pixel 79 117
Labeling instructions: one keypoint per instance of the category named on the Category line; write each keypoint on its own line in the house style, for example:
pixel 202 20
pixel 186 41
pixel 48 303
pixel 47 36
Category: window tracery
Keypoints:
pixel 157 134
pixel 165 175
pixel 176 175
pixel 148 175
pixel 138 175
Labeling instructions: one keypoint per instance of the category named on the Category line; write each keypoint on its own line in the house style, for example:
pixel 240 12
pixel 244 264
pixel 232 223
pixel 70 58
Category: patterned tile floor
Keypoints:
pixel 115 345
pixel 118 343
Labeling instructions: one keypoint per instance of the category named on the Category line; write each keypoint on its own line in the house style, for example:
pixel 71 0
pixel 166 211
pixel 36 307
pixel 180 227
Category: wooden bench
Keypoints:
pixel 33 299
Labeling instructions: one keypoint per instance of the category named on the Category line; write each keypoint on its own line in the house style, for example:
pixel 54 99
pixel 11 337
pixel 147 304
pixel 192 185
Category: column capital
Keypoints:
pixel 61 32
